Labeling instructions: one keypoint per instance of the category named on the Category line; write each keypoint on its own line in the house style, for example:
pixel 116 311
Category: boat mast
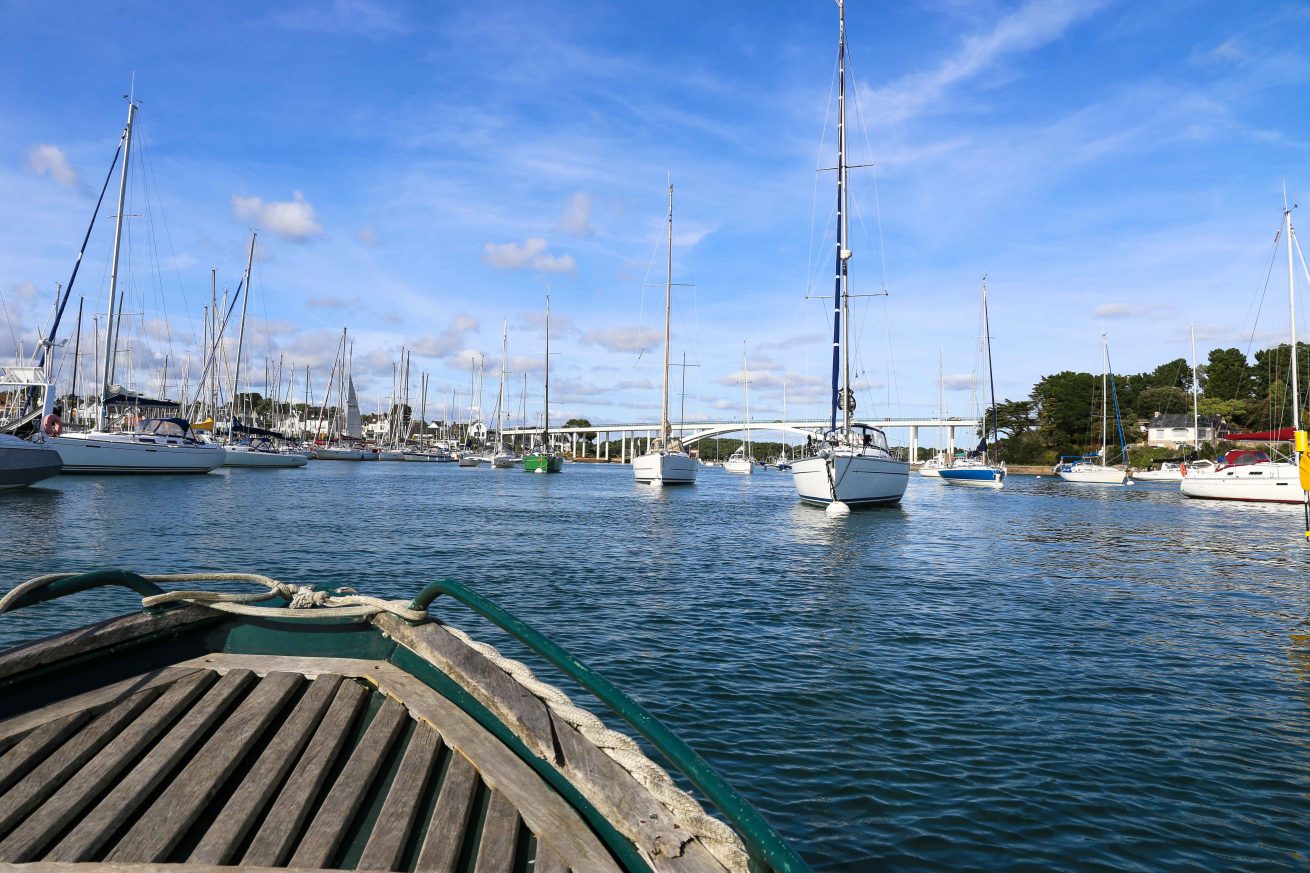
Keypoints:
pixel 500 404
pixel 1291 303
pixel 111 338
pixel 545 417
pixel 665 429
pixel 1105 348
pixel 991 379
pixel 241 336
pixel 841 366
pixel 746 396
pixel 1196 418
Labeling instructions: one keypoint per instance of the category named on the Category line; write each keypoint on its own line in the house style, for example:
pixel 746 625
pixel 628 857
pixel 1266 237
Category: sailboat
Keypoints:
pixel 1172 471
pixel 783 462
pixel 1091 469
pixel 544 459
pixel 353 427
pixel 934 465
pixel 158 445
pixel 254 451
pixel 1251 475
pixel 991 472
pixel 504 457
pixel 852 465
pixel 743 460
pixel 665 463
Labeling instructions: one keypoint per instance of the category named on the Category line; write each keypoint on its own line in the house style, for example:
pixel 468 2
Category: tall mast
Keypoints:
pixel 1104 396
pixel 746 397
pixel 111 335
pixel 500 404
pixel 1291 303
pixel 1196 419
pixel 241 336
pixel 840 338
pixel 545 418
pixel 991 379
pixel 665 430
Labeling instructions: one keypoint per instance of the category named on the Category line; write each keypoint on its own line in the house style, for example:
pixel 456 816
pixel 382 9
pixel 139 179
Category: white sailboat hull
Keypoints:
pixel 673 468
pixel 1257 483
pixel 471 461
pixel 739 465
pixel 98 452
pixel 23 463
pixel 324 453
pixel 852 478
pixel 505 461
pixel 243 456
pixel 1159 475
pixel 1091 474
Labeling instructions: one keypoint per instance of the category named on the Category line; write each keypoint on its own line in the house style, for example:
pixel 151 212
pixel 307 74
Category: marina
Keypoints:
pixel 973 677
pixel 1064 630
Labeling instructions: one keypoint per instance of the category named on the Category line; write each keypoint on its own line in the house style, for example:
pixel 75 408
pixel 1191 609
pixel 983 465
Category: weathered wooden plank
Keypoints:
pixel 309 667
pixel 37 746
pixel 51 773
pixel 547 861
pixel 277 835
pixel 386 844
pixel 491 686
pixel 97 636
pixel 450 817
pixel 542 809
pixel 157 831
pixel 95 828
pixel 338 809
pixel 634 811
pixel 96 699
pixel 29 838
pixel 221 842
pixel 500 830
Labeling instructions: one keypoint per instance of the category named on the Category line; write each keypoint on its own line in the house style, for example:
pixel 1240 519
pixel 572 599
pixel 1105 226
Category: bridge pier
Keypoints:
pixel 950 441
pixel 914 445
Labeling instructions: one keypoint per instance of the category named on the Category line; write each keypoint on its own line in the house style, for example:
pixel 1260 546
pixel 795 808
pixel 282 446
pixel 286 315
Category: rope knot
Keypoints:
pixel 305 597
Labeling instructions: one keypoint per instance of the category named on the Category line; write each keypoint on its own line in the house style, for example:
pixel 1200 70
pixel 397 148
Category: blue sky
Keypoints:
pixel 421 172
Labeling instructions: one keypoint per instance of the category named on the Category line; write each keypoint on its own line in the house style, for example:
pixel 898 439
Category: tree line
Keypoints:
pixel 1062 414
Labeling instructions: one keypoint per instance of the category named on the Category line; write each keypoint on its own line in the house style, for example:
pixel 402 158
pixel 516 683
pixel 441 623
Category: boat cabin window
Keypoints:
pixel 165 427
pixel 1244 457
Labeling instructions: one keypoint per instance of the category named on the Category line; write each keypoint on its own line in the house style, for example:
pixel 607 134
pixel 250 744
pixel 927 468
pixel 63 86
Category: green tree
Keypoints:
pixel 582 422
pixel 1011 417
pixel 1227 375
pixel 1175 374
pixel 1063 405
pixel 1162 399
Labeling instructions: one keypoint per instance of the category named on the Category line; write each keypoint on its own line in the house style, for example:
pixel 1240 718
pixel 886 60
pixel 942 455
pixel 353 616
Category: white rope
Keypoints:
pixel 721 840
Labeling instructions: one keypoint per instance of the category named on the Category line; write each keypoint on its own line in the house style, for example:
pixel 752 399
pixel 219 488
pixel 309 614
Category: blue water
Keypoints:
pixel 1050 677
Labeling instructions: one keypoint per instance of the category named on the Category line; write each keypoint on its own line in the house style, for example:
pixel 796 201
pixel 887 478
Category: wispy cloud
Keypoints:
pixel 293 219
pixel 624 339
pixel 1119 310
pixel 530 254
pixel 50 160
pixel 1033 26
pixel 368 236
pixel 447 341
pixel 960 381
pixel 577 216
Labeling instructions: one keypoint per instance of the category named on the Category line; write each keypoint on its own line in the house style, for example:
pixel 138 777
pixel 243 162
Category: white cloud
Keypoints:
pixel 294 219
pixel 624 339
pixel 1036 24
pixel 448 341
pixel 530 254
pixel 577 217
pixel 960 381
pixel 1119 310
pixel 50 160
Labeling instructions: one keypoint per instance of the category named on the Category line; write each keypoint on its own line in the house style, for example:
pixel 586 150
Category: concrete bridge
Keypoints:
pixel 631 434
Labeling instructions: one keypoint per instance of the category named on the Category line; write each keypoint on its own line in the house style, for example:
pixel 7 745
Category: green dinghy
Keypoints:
pixel 336 731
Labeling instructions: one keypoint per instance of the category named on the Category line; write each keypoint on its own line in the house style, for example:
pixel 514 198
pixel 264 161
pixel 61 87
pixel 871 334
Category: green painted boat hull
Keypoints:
pixel 539 463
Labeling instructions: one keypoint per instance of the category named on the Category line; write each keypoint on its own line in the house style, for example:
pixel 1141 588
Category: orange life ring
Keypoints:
pixel 52 425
